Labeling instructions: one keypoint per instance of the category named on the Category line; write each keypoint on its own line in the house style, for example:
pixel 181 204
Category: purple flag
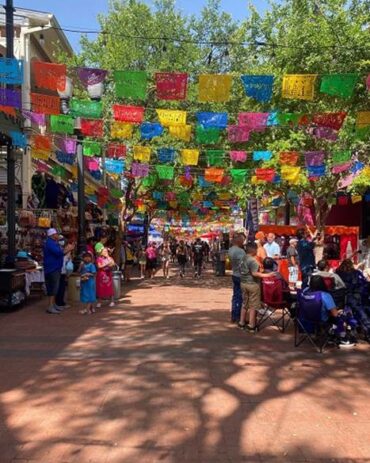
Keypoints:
pixel 91 76
pixel 324 132
pixel 314 158
pixel 10 97
pixel 36 118
pixel 67 145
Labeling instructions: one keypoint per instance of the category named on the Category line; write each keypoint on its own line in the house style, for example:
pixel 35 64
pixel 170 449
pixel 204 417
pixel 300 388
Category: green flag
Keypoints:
pixel 58 171
pixel 165 172
pixel 340 157
pixel 62 124
pixel 207 136
pixel 149 181
pixel 288 118
pixel 341 85
pixel 90 109
pixel 215 157
pixel 238 175
pixel 91 148
pixel 131 84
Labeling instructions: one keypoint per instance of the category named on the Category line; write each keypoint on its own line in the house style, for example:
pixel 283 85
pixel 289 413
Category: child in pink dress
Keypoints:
pixel 104 277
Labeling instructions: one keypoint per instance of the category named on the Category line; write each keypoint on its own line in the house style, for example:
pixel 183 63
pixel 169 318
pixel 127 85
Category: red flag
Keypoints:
pixel 133 114
pixel 171 85
pixel 92 127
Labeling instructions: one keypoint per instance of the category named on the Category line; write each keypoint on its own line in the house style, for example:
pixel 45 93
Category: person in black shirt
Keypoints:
pixel 198 255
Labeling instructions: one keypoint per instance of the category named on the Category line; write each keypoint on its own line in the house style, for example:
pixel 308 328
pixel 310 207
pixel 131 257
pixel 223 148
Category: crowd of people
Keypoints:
pixel 344 292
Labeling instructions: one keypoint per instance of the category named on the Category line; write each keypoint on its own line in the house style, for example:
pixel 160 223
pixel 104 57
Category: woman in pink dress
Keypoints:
pixel 104 277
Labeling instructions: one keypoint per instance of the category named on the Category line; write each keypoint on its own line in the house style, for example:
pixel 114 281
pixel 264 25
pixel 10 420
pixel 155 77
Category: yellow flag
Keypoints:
pixel 182 132
pixel 255 180
pixel 356 199
pixel 173 204
pixel 363 119
pixel 142 153
pixel 40 154
pixel 169 117
pixel 290 174
pixel 197 196
pixel 366 172
pixel 299 86
pixel 224 196
pixel 214 87
pixel 190 157
pixel 121 130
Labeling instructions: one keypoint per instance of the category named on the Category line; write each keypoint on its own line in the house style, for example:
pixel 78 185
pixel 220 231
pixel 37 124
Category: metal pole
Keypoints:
pixel 81 242
pixel 9 28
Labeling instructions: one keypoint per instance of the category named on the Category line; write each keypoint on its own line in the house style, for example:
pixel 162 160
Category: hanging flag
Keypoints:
pixel 171 85
pixel 325 133
pixel 142 153
pixel 262 155
pixel 315 171
pixel 290 174
pixel 150 130
pixel 341 85
pixel 331 120
pixel 340 168
pixel 258 87
pixel 139 170
pixel 8 110
pixel 210 120
pixel 165 172
pixel 289 119
pixel 189 157
pixel 92 128
pixel 62 123
pixel 11 71
pixel 238 156
pixel 18 139
pixel 44 104
pixel 116 193
pixel 59 171
pixel 91 148
pixel 170 118
pixel 265 175
pixel 207 136
pixel 238 133
pixel 214 87
pixel 39 154
pixel 115 150
pixel 182 132
pixel 36 118
pixel 289 158
pixel 166 155
pixel 256 122
pixel 92 164
pixel 10 97
pixel 149 181
pixel 238 175
pixel 49 76
pixel 215 157
pixel 314 158
pixel 67 145
pixel 340 157
pixel 363 119
pixel 114 166
pixel 91 76
pixel 121 130
pixel 91 109
pixel 299 86
pixel 65 158
pixel 41 142
pixel 131 84
pixel 133 114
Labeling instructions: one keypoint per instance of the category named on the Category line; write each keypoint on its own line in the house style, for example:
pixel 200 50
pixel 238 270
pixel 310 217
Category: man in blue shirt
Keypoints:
pixel 271 247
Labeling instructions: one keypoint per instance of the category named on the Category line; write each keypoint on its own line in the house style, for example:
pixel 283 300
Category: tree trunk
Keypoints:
pixel 322 210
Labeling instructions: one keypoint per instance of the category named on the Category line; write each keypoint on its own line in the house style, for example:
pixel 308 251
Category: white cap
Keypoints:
pixel 52 232
pixel 293 240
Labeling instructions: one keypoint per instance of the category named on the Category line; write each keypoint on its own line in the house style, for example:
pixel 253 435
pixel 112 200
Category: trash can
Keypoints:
pixel 117 283
pixel 74 283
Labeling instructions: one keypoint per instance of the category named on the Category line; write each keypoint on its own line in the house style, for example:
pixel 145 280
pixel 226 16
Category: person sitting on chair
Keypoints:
pixel 340 321
pixel 333 282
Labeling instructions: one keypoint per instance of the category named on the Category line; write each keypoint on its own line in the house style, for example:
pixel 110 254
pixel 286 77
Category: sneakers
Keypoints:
pixel 347 342
pixel 53 310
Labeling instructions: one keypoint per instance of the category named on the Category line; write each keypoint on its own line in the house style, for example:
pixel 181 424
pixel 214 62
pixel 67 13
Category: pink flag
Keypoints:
pixel 67 145
pixel 257 122
pixel 238 133
pixel 341 168
pixel 139 170
pixel 238 156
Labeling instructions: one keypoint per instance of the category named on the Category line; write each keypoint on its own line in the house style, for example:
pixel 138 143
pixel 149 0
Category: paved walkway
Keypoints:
pixel 163 377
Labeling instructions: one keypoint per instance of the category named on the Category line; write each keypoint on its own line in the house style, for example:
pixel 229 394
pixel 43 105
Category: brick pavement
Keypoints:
pixel 163 377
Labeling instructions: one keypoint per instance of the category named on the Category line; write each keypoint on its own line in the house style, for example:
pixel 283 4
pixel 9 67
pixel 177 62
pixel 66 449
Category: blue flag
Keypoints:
pixel 18 139
pixel 166 155
pixel 150 130
pixel 258 87
pixel 114 166
pixel 210 120
pixel 262 155
pixel 11 71
pixel 316 171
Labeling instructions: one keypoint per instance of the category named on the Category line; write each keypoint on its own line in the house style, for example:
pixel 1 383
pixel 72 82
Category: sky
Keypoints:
pixel 82 14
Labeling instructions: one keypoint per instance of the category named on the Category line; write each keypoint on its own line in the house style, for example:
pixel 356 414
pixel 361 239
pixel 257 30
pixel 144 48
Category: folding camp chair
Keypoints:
pixel 273 301
pixel 308 323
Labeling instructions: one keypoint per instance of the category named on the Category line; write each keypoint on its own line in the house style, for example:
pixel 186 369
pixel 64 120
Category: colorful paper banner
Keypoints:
pixel 210 120
pixel 238 156
pixel 238 175
pixel 289 158
pixel 299 86
pixel 290 174
pixel 341 85
pixel 89 109
pixel 316 171
pixel 314 158
pixel 165 172
pixel 171 85
pixel 139 170
pixel 40 154
pixel 214 175
pixel 92 128
pixel 19 139
pixel 262 155
pixel 190 157
pixel 340 157
pixel 215 157
pixel 207 136
pixel 41 142
pixel 170 118
pixel 340 168
pixel 238 133
pixel 331 120
pixel 35 118
pixel 265 175
pixel 131 84
pixel 49 76
pixel 121 130
pixel 8 110
pixel 67 145
pixel 166 155
pixel 91 148
pixel 62 123
pixel 115 150
pixel 10 97
pixel 325 133
pixel 258 87
pixel 114 166
pixel 59 171
pixel 363 119
pixel 214 87
pixel 142 153
pixel 45 104
pixel 256 122
pixel 11 71
pixel 182 132
pixel 133 114
pixel 150 130
pixel 65 158
pixel 91 76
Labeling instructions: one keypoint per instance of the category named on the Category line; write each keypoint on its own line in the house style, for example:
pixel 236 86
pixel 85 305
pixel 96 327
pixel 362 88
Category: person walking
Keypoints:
pixel 152 257
pixel 141 258
pixel 104 277
pixel 165 258
pixel 236 255
pixel 88 284
pixel 182 257
pixel 53 263
pixel 198 255
pixel 305 248
pixel 66 270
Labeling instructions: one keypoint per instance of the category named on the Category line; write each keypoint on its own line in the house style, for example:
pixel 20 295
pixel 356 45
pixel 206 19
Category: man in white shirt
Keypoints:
pixel 236 255
pixel 271 247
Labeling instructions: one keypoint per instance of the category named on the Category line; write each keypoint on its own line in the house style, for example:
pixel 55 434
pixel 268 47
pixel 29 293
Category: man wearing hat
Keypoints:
pixel 53 263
